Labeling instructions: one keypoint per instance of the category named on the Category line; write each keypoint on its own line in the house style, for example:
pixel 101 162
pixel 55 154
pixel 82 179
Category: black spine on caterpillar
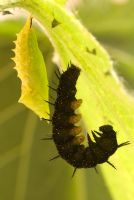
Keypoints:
pixel 67 136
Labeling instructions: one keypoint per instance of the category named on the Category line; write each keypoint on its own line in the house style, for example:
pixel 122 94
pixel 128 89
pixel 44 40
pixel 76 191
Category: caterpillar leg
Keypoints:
pixel 74 172
pixel 96 170
pixel 124 144
pixel 100 134
pixel 74 119
pixel 94 136
pixel 49 138
pixel 111 164
pixel 78 139
pixel 75 131
pixel 76 104
pixel 54 157
pixel 57 75
pixel 54 89
pixel 46 119
pixel 49 102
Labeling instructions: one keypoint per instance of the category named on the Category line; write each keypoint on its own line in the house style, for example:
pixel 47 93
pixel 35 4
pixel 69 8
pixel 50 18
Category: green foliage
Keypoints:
pixel 104 101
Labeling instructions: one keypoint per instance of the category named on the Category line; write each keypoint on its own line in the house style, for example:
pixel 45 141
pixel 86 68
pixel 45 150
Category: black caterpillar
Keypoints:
pixel 66 135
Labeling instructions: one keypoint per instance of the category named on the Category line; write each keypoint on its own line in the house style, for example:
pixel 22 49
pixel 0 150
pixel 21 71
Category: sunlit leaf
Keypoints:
pixel 104 98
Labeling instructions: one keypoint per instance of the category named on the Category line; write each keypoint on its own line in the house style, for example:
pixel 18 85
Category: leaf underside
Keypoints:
pixel 104 99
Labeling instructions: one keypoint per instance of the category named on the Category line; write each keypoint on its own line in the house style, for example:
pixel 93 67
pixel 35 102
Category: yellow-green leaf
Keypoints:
pixel 104 99
pixel 62 2
pixel 32 71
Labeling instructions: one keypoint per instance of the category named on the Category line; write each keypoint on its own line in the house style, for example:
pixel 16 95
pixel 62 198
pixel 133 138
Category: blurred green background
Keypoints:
pixel 25 172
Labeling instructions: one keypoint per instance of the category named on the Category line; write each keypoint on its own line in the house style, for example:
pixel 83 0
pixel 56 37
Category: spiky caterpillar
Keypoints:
pixel 67 136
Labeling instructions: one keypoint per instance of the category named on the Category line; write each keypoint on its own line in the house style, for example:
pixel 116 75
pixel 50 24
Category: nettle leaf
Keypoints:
pixel 104 99
pixel 32 71
pixel 62 2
